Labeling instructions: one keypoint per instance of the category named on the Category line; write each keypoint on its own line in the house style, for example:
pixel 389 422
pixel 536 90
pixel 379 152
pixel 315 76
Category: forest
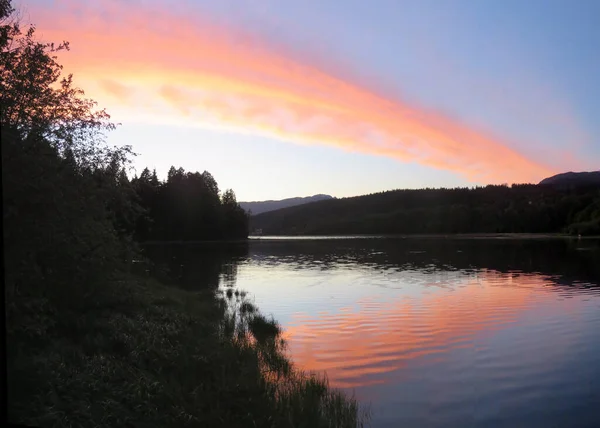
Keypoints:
pixel 70 206
pixel 185 207
pixel 520 208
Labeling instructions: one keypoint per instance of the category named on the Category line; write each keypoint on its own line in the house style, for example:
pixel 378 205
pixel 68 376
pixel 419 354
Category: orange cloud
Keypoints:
pixel 188 70
pixel 118 90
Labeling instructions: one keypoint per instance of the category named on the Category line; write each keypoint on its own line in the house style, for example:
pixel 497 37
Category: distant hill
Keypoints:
pixel 524 208
pixel 259 207
pixel 573 179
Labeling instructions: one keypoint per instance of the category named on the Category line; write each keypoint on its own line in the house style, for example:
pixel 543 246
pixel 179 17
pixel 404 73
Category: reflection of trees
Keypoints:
pixel 571 260
pixel 229 272
pixel 204 265
pixel 195 266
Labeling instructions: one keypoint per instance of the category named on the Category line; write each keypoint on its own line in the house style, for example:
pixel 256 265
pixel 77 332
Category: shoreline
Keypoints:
pixel 524 236
pixel 154 354
pixel 255 238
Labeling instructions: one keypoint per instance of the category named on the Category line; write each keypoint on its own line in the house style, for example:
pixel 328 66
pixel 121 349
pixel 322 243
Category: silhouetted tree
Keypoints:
pixel 63 200
pixel 187 207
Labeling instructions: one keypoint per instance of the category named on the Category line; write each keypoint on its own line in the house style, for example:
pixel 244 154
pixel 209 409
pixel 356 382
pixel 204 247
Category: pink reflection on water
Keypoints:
pixel 365 345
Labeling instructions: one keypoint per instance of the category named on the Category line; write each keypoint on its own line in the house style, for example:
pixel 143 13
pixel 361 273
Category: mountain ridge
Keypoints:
pixel 558 204
pixel 259 207
pixel 573 178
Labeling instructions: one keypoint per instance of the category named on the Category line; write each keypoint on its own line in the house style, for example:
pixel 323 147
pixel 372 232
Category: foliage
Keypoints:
pixel 59 179
pixel 37 102
pixel 155 355
pixel 187 207
pixel 587 221
pixel 491 209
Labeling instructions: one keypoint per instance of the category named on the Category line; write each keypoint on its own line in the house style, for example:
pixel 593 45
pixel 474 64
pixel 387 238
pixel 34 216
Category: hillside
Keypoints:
pixel 259 207
pixel 573 179
pixel 526 208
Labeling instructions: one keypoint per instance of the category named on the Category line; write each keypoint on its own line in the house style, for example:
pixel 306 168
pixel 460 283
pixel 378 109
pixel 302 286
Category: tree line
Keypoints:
pixel 186 207
pixel 71 214
pixel 520 208
pixel 60 176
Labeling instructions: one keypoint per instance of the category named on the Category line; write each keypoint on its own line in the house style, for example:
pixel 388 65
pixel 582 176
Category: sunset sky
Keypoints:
pixel 283 98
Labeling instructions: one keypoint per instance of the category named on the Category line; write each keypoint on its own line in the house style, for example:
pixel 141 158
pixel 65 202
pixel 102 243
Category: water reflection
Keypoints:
pixel 568 258
pixel 363 344
pixel 442 332
pixel 432 332
pixel 196 266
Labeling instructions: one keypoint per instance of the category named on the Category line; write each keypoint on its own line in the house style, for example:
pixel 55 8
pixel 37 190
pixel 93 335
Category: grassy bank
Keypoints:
pixel 140 353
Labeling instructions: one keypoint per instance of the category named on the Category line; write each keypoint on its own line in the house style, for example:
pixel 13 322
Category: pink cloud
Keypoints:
pixel 205 74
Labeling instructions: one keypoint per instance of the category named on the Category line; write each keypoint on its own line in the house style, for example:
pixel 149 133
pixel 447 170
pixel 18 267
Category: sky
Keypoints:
pixel 284 98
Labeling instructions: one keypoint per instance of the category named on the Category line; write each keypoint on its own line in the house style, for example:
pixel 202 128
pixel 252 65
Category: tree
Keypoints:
pixel 187 207
pixel 235 219
pixel 38 102
pixel 64 194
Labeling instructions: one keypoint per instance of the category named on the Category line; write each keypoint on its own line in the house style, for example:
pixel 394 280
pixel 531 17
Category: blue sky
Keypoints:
pixel 525 72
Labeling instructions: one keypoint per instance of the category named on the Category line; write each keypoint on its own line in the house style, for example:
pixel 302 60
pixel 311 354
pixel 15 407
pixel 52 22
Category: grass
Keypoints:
pixel 145 354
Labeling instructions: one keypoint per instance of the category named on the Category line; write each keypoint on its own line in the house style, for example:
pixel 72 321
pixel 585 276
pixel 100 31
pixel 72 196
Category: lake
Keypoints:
pixel 434 332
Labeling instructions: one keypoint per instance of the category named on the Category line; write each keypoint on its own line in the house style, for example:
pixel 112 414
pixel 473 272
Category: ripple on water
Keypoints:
pixel 433 345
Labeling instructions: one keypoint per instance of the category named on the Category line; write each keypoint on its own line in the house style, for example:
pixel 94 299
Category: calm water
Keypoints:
pixel 436 332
